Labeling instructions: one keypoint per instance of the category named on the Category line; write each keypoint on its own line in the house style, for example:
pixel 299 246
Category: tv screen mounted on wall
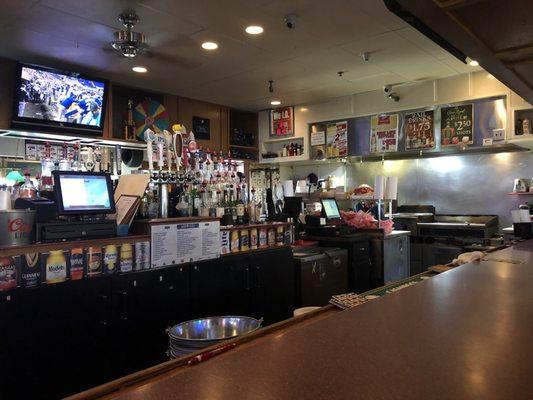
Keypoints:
pixel 47 99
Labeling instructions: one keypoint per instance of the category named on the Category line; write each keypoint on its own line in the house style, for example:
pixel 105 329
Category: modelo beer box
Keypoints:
pixel 30 270
pixel 55 266
pixel 9 267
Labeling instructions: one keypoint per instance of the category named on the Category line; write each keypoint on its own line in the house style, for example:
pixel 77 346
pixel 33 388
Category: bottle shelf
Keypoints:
pixel 283 139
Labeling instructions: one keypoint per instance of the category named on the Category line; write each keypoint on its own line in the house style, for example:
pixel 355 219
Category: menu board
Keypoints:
pixel 456 125
pixel 282 122
pixel 419 130
pixel 318 138
pixel 188 242
pixel 337 140
pixel 384 133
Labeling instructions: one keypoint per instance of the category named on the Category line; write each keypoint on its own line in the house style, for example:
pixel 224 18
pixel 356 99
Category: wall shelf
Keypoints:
pixel 284 139
pixel 520 194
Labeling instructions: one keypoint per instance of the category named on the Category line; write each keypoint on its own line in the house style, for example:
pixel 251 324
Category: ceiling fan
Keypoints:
pixel 128 42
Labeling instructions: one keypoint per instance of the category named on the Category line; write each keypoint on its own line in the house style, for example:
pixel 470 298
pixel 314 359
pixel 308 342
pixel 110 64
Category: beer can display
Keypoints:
pixel 8 273
pixel 224 242
pixel 77 264
pixel 288 236
pixel 55 267
pixel 263 240
pixel 110 259
pixel 142 256
pixel 234 242
pixel 126 257
pixel 94 261
pixel 280 236
pixel 244 240
pixel 30 270
pixel 271 237
pixel 253 239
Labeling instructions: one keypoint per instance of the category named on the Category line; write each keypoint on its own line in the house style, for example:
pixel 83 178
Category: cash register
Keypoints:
pixel 82 201
pixel 329 222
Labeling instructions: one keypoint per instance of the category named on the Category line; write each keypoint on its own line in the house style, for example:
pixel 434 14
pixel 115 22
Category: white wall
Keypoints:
pixel 417 95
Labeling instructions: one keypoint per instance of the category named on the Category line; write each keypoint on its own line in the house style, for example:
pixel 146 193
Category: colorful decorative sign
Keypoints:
pixel 456 125
pixel 337 140
pixel 150 114
pixel 282 122
pixel 384 133
pixel 419 130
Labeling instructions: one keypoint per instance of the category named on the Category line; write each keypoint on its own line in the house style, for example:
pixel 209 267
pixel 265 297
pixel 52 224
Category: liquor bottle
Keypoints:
pixel 47 166
pixel 27 189
pixel 252 214
pixel 76 164
pixel 284 151
pixel 64 163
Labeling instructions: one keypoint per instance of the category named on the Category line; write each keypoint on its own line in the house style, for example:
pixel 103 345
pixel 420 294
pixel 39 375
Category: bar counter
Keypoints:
pixel 463 334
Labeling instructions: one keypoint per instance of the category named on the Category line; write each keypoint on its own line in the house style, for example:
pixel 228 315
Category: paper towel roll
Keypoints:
pixel 379 187
pixel 391 188
pixel 288 189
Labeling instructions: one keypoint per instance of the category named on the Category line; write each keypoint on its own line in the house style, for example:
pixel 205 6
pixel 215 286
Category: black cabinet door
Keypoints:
pixel 273 280
pixel 169 298
pixel 238 284
pixel 8 338
pixel 208 291
pixel 131 321
pixel 59 339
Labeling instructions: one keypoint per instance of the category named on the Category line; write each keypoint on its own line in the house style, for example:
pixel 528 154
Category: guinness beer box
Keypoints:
pixel 9 273
pixel 30 270
pixel 110 259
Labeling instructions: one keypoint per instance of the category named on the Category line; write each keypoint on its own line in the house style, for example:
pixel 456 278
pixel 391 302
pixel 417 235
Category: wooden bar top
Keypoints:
pixel 463 334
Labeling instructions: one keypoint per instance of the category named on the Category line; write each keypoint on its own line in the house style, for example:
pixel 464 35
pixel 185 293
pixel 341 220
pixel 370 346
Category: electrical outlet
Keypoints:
pixel 498 134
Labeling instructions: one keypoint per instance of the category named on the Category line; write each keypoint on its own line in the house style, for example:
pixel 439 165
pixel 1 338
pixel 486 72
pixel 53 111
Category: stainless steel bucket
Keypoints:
pixel 191 336
pixel 16 227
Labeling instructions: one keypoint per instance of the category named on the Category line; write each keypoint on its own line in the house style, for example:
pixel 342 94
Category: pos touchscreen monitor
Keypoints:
pixel 83 193
pixel 330 209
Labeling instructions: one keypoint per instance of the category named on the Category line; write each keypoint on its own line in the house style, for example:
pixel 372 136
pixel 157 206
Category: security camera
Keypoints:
pixel 290 21
pixel 394 97
pixel 387 89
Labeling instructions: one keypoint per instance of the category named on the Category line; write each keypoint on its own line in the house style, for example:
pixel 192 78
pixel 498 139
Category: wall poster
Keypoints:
pixel 337 140
pixel 419 130
pixel 384 133
pixel 282 122
pixel 456 125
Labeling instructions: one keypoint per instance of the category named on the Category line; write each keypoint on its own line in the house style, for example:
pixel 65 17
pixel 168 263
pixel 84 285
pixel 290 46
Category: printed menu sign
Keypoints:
pixel 337 140
pixel 456 125
pixel 318 138
pixel 384 133
pixel 419 130
pixel 282 122
pixel 181 243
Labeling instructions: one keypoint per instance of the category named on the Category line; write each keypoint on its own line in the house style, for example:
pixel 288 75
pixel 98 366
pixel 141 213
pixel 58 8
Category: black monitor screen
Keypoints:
pixel 63 99
pixel 330 209
pixel 83 192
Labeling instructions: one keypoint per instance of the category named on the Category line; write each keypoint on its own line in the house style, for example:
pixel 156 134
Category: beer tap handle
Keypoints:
pixel 169 145
pixel 149 136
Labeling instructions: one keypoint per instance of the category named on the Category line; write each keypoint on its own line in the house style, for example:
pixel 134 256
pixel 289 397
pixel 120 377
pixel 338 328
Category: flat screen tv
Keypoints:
pixel 47 99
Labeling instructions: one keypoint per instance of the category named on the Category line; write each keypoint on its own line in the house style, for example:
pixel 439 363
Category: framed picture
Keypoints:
pixel 456 125
pixel 282 122
pixel 201 128
pixel 384 133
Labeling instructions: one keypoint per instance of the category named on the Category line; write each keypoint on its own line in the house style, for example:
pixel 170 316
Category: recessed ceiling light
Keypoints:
pixel 490 76
pixel 275 102
pixel 304 109
pixel 209 46
pixel 473 63
pixel 254 29
pixel 140 69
